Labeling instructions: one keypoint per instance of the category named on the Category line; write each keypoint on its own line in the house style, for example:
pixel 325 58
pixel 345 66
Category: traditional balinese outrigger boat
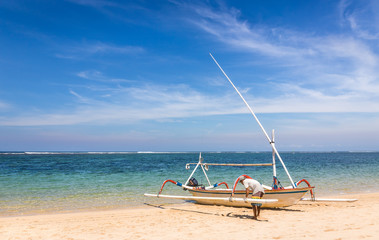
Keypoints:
pixel 275 195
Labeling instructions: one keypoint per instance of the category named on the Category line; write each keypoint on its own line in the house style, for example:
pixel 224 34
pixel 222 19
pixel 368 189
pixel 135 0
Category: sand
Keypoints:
pixel 306 220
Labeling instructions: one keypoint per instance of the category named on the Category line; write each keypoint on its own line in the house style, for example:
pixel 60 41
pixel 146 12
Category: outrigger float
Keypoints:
pixel 275 195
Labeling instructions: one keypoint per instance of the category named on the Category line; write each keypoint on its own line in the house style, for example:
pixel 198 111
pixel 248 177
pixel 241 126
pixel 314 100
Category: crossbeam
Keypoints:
pixel 238 164
pixel 232 164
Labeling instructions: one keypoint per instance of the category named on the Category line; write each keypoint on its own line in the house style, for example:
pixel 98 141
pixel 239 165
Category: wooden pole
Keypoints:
pixel 238 164
pixel 234 164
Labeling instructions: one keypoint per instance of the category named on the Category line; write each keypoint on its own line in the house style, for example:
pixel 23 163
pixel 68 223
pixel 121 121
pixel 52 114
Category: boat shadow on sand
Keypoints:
pixel 230 214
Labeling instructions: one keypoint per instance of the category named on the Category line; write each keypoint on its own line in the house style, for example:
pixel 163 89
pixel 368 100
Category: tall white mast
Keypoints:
pixel 273 154
pixel 259 123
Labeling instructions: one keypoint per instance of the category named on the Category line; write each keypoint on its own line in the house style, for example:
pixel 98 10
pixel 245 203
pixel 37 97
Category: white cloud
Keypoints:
pixel 83 50
pixel 90 74
pixel 4 105
pixel 99 76
pixel 100 47
pixel 332 72
pixel 226 27
pixel 361 17
pixel 161 103
pixel 80 98
pixel 95 3
pixel 131 104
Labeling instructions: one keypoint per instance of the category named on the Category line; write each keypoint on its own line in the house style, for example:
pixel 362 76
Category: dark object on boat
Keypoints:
pixel 193 182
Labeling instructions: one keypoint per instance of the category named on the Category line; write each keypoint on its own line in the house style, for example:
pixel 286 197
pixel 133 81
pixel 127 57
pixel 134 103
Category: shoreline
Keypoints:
pixel 306 220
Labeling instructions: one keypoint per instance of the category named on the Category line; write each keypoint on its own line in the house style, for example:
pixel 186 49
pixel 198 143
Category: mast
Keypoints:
pixel 259 123
pixel 273 155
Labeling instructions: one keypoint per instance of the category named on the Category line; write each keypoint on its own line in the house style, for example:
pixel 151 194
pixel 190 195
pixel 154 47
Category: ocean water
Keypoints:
pixel 57 182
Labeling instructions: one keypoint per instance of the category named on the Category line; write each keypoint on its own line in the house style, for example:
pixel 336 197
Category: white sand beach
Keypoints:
pixel 306 220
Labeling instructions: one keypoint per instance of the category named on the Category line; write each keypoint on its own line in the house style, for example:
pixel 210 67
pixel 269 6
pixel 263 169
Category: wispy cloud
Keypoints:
pixel 99 76
pixel 226 27
pixel 154 102
pixel 131 104
pixel 361 17
pixel 95 3
pixel 4 106
pixel 80 98
pixel 123 11
pixel 100 47
pixel 335 71
pixel 84 50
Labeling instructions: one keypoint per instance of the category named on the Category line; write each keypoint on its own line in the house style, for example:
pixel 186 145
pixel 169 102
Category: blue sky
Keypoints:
pixel 99 75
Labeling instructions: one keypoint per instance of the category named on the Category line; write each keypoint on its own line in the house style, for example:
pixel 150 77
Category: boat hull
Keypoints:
pixel 286 197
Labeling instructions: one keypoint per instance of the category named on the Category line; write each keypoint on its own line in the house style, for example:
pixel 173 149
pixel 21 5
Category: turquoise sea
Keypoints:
pixel 37 182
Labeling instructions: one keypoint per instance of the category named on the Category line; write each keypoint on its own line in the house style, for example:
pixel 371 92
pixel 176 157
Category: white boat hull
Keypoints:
pixel 251 200
pixel 286 197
